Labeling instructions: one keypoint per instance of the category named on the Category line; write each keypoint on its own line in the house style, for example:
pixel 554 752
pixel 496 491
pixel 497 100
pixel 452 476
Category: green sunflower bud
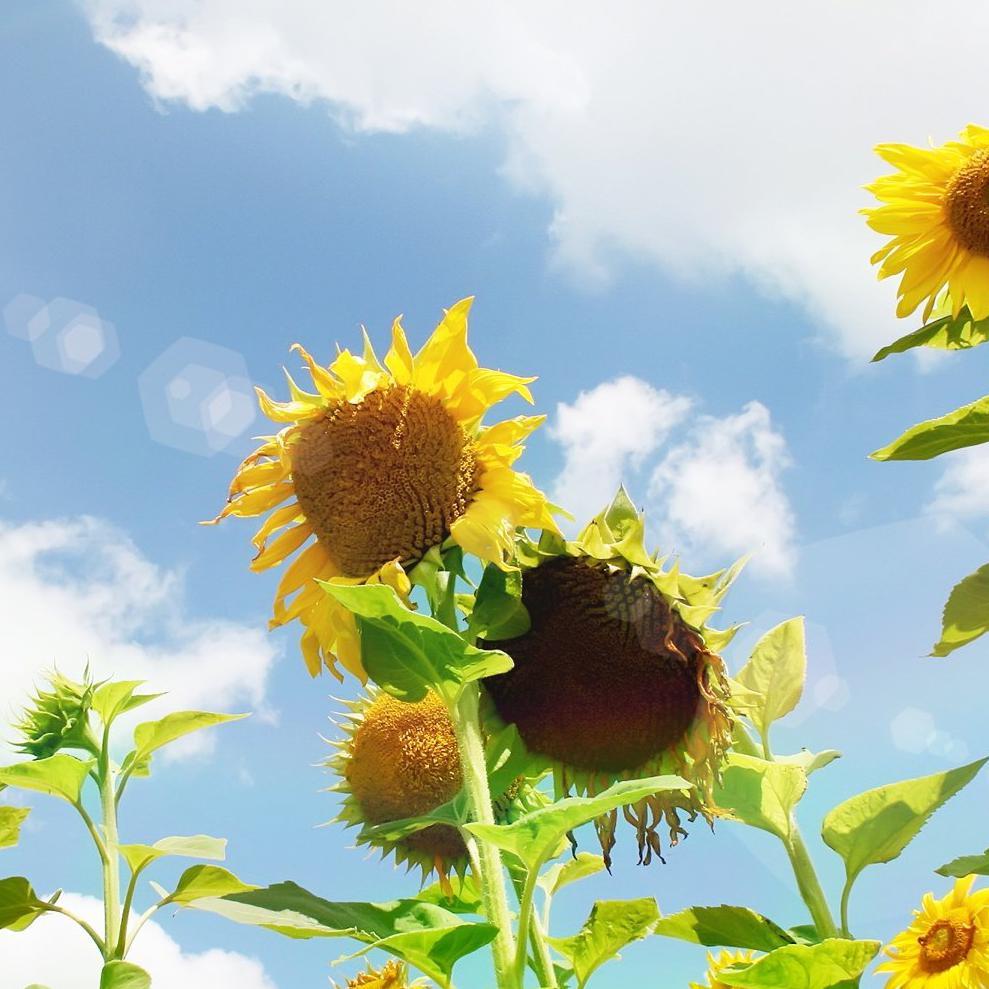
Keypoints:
pixel 58 718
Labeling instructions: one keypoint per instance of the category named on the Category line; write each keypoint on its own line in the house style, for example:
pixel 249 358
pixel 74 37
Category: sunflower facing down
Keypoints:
pixel 935 209
pixel 947 944
pixel 384 462
pixel 617 676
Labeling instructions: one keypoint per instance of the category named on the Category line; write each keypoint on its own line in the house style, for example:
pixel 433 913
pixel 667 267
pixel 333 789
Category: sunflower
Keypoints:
pixel 382 464
pixel 716 964
pixel 396 760
pixel 392 975
pixel 947 944
pixel 617 675
pixel 936 210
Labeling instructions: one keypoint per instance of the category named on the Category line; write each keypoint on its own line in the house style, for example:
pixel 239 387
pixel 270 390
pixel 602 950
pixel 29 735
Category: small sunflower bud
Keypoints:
pixel 57 718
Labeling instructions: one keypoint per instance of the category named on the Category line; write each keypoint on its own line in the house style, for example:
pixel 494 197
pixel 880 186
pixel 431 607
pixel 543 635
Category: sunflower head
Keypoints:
pixel 716 964
pixel 617 676
pixel 382 464
pixel 57 718
pixel 391 975
pixel 946 944
pixel 397 760
pixel 935 210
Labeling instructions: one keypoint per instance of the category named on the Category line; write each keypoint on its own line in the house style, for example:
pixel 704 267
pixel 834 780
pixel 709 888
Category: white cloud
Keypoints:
pixel 709 138
pixel 720 493
pixel 77 590
pixel 54 952
pixel 716 492
pixel 606 433
pixel 962 491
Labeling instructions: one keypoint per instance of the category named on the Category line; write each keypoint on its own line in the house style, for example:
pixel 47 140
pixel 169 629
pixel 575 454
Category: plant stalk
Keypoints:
pixel 466 723
pixel 111 861
pixel 808 883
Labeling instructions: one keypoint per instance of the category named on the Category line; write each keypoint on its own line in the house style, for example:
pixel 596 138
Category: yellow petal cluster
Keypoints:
pixel 380 463
pixel 935 210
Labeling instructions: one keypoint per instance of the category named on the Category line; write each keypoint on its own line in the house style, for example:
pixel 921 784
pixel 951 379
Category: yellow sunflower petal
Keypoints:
pixel 444 361
pixel 399 358
pixel 285 545
pixel 326 384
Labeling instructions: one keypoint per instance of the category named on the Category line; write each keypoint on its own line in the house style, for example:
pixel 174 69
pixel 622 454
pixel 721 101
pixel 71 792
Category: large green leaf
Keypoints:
pixel 197 846
pixel 966 865
pixel 875 826
pixel 805 966
pixel 498 612
pixel 200 882
pixel 58 776
pixel 455 894
pixel 533 837
pixel 967 426
pixel 760 793
pixel 407 653
pixel 959 332
pixel 562 874
pixel 116 697
pixel 775 673
pixel 19 904
pixel 423 934
pixel 11 819
pixel 611 925
pixel 966 613
pixel 124 975
pixel 725 927
pixel 152 735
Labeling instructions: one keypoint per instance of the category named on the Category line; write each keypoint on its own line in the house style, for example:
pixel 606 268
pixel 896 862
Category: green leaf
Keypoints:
pixel 197 846
pixel 407 653
pixel 124 975
pixel 58 776
pixel 959 332
pixel 466 896
pixel 11 819
pixel 967 426
pixel 875 826
pixel 424 935
pixel 966 613
pixel 557 876
pixel 775 673
pixel 19 904
pixel 498 611
pixel 201 881
pixel 808 761
pixel 534 837
pixel 117 697
pixel 805 966
pixel 760 793
pixel 725 927
pixel 150 736
pixel 966 865
pixel 611 925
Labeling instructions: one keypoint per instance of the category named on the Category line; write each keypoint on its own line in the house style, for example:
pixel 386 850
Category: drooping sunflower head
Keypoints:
pixel 935 209
pixel 618 676
pixel 716 964
pixel 383 463
pixel 397 760
pixel 947 944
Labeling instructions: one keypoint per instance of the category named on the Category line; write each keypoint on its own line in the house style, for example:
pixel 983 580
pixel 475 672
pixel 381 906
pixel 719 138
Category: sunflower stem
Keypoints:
pixel 111 860
pixel 466 723
pixel 808 883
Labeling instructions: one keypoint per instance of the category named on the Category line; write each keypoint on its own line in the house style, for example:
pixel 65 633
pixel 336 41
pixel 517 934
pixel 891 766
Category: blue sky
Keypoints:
pixel 268 219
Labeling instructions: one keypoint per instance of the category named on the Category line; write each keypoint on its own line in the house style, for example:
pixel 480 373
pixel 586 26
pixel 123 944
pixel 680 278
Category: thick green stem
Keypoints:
pixel 492 879
pixel 541 960
pixel 111 861
pixel 809 885
pixel 526 917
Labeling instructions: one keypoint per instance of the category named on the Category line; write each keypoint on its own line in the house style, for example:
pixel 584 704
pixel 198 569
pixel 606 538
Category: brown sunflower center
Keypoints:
pixel 967 203
pixel 383 479
pixel 606 678
pixel 404 762
pixel 946 943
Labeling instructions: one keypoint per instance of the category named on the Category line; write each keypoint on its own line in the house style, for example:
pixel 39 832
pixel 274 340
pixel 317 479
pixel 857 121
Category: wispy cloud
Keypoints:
pixel 709 140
